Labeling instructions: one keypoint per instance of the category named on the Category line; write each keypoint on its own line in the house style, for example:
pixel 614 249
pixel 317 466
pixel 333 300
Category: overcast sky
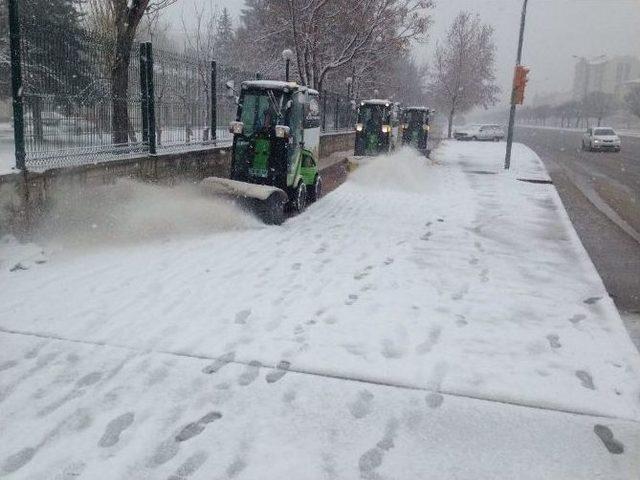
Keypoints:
pixel 556 30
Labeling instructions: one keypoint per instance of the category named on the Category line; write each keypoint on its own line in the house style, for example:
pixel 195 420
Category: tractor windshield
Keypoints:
pixel 262 110
pixel 414 117
pixel 372 117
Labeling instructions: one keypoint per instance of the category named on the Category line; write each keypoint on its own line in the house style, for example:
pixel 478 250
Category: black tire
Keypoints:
pixel 299 201
pixel 475 139
pixel 271 210
pixel 316 192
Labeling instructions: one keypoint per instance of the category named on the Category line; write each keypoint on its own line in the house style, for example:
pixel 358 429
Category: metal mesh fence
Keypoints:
pixel 338 112
pixel 78 111
pixel 68 99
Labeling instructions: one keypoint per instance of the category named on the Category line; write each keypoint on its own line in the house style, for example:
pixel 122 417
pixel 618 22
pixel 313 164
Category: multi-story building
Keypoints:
pixel 602 74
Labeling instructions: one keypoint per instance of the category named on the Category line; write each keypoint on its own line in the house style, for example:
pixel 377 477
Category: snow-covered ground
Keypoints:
pixel 424 317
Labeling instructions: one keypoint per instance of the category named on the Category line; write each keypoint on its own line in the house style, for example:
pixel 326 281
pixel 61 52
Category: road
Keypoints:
pixel 601 192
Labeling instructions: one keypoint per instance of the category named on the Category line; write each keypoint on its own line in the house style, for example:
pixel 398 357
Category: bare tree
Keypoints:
pixel 326 35
pixel 118 21
pixel 463 72
pixel 599 105
pixel 632 100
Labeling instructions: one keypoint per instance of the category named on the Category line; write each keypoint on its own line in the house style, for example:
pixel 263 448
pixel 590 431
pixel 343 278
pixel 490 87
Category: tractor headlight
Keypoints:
pixel 426 128
pixel 405 126
pixel 359 127
pixel 236 128
pixel 282 131
pixel 386 128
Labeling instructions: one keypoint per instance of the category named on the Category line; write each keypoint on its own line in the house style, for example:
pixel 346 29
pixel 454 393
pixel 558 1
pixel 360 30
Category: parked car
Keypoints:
pixel 480 132
pixel 601 138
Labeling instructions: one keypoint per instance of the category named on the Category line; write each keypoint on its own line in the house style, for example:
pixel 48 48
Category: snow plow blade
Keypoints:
pixel 265 201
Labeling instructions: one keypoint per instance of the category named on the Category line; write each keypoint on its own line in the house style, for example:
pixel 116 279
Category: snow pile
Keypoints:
pixel 404 171
pixel 135 212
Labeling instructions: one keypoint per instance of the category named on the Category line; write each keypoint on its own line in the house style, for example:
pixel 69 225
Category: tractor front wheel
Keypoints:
pixel 271 210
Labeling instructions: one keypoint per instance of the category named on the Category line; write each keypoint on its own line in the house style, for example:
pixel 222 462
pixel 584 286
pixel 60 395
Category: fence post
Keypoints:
pixel 214 101
pixel 144 94
pixel 16 84
pixel 336 123
pixel 151 113
pixel 324 110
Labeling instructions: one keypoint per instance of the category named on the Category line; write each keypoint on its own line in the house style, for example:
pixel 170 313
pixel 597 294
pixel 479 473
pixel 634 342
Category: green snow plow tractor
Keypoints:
pixel 276 141
pixel 377 127
pixel 414 125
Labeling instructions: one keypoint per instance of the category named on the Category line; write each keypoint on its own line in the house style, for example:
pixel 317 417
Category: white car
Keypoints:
pixel 601 138
pixel 480 132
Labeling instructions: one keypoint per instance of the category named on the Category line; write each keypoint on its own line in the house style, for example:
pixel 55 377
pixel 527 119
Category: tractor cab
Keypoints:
pixel 276 139
pixel 415 127
pixel 377 127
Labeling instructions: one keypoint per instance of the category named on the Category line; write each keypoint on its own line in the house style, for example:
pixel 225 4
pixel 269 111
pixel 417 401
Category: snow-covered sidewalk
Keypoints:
pixel 424 317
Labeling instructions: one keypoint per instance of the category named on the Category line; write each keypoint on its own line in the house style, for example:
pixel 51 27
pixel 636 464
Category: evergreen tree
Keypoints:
pixel 224 38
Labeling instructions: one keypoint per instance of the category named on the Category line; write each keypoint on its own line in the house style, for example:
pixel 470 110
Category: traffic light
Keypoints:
pixel 520 81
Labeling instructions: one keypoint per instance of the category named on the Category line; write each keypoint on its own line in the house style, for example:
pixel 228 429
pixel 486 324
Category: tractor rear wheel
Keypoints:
pixel 316 192
pixel 300 199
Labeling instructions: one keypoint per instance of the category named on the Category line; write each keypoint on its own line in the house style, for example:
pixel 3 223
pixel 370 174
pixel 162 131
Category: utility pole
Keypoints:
pixel 512 114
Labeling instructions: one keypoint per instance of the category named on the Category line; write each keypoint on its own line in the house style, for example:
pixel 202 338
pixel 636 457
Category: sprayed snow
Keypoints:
pixel 442 287
pixel 130 212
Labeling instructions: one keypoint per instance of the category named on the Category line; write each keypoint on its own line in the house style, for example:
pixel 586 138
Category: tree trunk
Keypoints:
pixel 119 87
pixel 450 128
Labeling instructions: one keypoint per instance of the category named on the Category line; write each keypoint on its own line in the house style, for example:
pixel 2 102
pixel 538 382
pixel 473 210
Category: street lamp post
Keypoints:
pixel 287 55
pixel 512 113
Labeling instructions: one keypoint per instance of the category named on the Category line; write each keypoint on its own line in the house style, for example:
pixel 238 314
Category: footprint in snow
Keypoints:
pixel 577 318
pixel 250 373
pixel 605 434
pixel 391 350
pixel 296 266
pixel 219 363
pixel 196 428
pixel 242 315
pixel 190 466
pixel 114 429
pixel 352 299
pixel 388 261
pixel 430 342
pixel 426 236
pixel 361 407
pixel 434 400
pixel 586 379
pixel 281 371
pixel 554 341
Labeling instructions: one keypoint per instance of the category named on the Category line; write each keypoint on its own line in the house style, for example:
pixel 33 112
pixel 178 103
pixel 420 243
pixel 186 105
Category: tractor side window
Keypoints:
pixel 307 161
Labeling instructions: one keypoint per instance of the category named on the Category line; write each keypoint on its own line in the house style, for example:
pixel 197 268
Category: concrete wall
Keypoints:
pixel 24 198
